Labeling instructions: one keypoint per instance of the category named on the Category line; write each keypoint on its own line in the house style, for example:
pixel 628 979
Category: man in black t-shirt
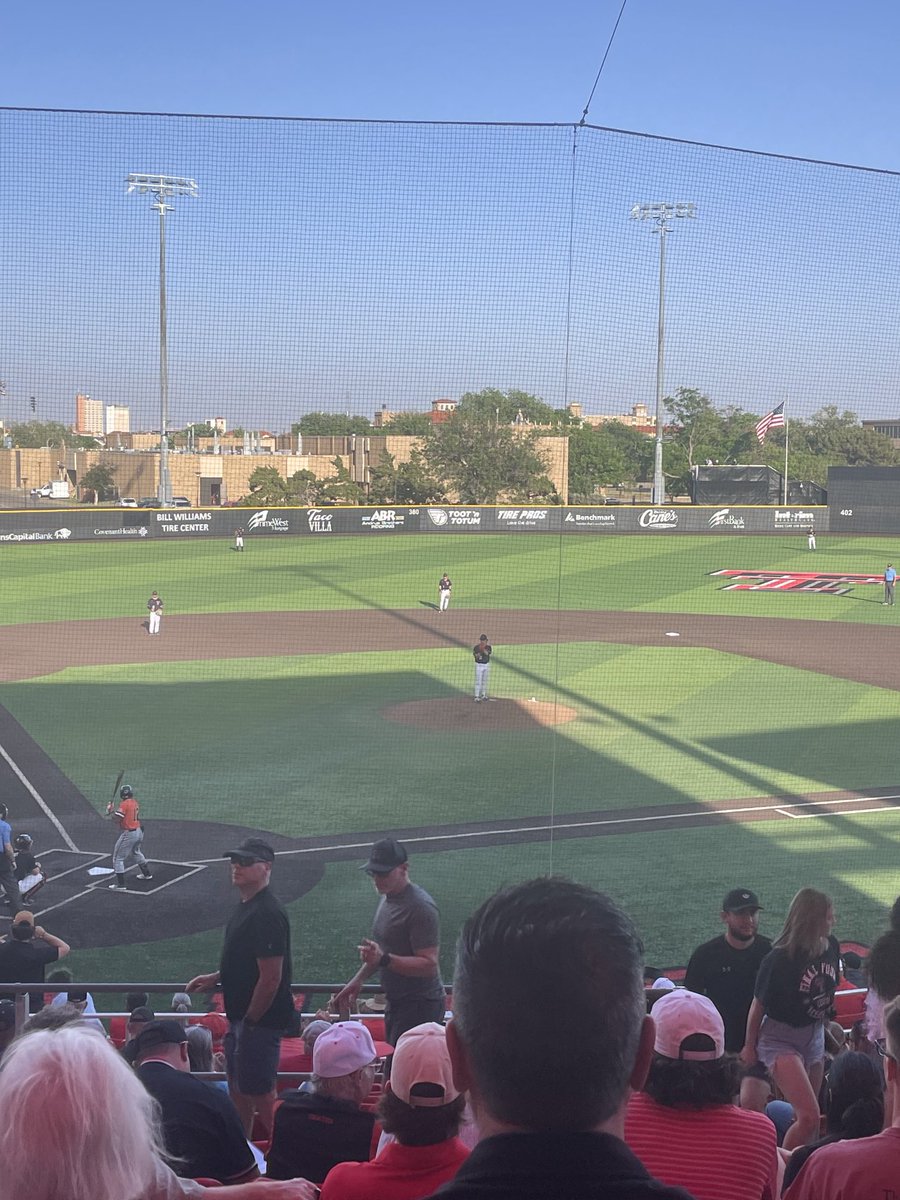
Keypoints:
pixel 724 969
pixel 255 976
pixel 25 954
pixel 202 1130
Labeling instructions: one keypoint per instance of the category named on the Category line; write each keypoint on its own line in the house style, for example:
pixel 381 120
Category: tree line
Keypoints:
pixel 487 450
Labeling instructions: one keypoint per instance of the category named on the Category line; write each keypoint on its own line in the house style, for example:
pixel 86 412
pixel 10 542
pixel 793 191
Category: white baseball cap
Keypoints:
pixel 682 1014
pixel 344 1048
pixel 421 1056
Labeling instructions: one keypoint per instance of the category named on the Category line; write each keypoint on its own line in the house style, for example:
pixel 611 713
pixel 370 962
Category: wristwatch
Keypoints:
pixel 385 960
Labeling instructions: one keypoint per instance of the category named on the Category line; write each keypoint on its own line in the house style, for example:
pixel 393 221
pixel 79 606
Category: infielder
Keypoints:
pixel 811 537
pixel 482 651
pixel 445 587
pixel 128 844
pixel 154 607
pixel 239 538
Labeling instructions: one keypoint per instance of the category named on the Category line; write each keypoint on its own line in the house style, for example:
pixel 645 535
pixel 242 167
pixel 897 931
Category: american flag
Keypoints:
pixel 770 421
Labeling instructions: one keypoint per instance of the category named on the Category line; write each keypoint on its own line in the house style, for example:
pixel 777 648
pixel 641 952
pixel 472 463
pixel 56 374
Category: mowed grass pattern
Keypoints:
pixel 300 744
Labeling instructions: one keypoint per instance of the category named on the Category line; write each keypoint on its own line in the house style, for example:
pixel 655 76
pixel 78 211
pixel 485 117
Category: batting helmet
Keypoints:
pixel 23 841
pixel 125 793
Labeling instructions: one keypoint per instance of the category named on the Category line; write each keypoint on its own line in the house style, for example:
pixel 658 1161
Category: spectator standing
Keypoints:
pixel 26 952
pixel 316 1130
pixel 423 1109
pixel 404 945
pixel 684 1126
pixel 860 1168
pixel 724 969
pixel 76 1124
pixel 794 992
pixel 255 976
pixel 550 1111
pixel 203 1134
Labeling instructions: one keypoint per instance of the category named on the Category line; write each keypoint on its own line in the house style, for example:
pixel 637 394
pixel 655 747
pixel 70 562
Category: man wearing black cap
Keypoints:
pixel 203 1134
pixel 404 945
pixel 255 977
pixel 724 969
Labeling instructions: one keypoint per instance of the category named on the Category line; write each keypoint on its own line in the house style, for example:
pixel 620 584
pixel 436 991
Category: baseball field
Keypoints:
pixel 651 732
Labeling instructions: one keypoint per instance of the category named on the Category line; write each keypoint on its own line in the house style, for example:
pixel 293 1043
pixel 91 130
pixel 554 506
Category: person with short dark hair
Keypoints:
pixel 202 1131
pixel 859 1168
pixel 404 946
pixel 481 652
pixel 853 1103
pixel 255 976
pixel 422 1108
pixel 26 952
pixel 684 1126
pixel 550 1111
pixel 725 969
pixel 315 1130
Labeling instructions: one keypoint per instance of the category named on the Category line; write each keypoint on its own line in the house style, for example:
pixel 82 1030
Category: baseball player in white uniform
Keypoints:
pixel 445 587
pixel 154 607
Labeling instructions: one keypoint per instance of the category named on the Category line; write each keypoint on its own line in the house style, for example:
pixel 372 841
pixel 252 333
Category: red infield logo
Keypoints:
pixel 794 581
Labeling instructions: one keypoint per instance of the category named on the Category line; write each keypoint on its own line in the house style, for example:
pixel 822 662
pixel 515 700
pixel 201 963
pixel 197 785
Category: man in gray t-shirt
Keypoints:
pixel 404 945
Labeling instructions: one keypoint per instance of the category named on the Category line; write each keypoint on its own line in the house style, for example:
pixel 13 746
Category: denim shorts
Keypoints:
pixel 251 1058
pixel 776 1039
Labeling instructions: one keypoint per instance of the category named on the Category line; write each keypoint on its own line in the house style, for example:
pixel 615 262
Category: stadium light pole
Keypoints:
pixel 163 187
pixel 661 214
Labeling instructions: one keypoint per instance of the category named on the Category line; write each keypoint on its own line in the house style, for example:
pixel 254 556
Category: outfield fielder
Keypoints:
pixel 239 538
pixel 154 607
pixel 481 652
pixel 128 843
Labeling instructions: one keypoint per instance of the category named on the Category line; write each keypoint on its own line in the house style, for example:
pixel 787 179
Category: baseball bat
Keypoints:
pixel 119 778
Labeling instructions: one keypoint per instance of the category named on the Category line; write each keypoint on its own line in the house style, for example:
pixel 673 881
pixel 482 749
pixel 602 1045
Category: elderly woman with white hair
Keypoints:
pixel 76 1124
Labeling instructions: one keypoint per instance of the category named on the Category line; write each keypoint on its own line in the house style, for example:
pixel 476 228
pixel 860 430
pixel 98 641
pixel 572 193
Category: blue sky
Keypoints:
pixel 353 266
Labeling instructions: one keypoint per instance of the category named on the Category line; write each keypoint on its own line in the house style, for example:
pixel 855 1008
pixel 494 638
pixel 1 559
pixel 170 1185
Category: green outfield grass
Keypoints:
pixel 299 745
pixel 515 571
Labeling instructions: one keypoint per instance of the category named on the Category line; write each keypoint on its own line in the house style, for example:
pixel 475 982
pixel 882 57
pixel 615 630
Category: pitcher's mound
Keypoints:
pixel 462 714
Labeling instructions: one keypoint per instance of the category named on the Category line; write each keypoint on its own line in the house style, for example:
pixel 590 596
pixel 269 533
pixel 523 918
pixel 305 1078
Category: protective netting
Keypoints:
pixel 350 265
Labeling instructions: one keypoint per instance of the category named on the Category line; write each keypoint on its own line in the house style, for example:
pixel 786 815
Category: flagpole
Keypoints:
pixel 785 455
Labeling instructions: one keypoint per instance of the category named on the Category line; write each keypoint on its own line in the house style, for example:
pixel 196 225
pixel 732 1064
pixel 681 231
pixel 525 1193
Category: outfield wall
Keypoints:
pixel 103 524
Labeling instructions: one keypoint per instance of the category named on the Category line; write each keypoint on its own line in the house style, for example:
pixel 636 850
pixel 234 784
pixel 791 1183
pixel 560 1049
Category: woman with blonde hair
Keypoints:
pixel 793 997
pixel 77 1124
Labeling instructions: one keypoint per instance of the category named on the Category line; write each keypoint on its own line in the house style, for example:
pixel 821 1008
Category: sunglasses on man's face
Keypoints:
pixel 241 860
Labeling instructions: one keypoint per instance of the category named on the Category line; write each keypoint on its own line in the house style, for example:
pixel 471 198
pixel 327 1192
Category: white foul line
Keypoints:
pixel 38 799
pixel 677 816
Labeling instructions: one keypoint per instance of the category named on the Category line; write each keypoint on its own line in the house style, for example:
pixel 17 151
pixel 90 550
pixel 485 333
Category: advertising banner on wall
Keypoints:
pixel 42 526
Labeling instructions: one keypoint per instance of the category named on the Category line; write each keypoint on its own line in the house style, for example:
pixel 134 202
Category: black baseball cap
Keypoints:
pixel 384 856
pixel 159 1033
pixel 253 850
pixel 739 899
pixel 142 1014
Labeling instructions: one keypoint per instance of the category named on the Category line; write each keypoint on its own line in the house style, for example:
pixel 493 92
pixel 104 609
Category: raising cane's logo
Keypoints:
pixel 658 518
pixel 820 582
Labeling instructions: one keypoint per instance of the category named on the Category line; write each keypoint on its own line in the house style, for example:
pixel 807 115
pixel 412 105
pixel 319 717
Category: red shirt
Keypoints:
pixel 712 1153
pixel 851 1170
pixel 398 1173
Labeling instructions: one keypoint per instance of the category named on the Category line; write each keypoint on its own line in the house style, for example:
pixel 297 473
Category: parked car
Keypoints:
pixel 128 502
pixel 148 502
pixel 181 502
